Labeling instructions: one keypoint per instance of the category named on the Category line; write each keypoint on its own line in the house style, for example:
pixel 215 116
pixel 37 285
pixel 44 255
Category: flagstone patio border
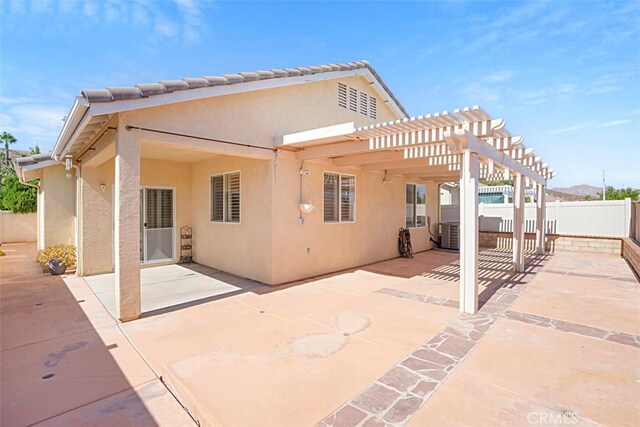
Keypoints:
pixel 397 395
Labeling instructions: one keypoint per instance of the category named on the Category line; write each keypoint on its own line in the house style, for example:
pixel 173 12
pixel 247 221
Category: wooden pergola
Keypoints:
pixel 468 145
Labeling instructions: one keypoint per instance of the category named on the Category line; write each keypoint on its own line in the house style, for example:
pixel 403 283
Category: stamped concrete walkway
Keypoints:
pixel 63 359
pixel 381 345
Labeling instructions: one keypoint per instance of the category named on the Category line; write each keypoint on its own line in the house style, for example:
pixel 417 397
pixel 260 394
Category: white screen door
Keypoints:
pixel 158 232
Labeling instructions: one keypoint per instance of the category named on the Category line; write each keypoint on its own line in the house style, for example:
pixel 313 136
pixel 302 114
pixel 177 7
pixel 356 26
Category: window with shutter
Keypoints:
pixel 347 198
pixel 416 206
pixel 331 197
pixel 232 195
pixel 339 197
pixel 217 198
pixel 225 198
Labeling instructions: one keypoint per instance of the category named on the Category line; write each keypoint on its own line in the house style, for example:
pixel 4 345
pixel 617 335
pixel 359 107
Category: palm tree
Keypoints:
pixel 7 138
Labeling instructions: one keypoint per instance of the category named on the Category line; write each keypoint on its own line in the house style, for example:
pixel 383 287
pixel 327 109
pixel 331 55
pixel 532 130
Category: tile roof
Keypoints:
pixel 144 90
pixel 32 160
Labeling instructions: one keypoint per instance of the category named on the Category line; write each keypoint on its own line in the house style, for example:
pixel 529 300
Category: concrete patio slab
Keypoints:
pixel 64 360
pixel 149 404
pixel 186 333
pixel 379 319
pixel 289 375
pixel 85 367
pixel 602 303
pixel 354 348
pixel 171 286
pixel 520 373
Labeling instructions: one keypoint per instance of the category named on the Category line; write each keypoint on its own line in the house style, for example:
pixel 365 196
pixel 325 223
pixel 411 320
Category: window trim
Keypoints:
pixel 355 197
pixel 224 199
pixel 415 204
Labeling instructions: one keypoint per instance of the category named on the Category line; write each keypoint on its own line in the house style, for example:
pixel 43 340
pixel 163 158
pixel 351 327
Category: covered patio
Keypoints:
pixel 468 145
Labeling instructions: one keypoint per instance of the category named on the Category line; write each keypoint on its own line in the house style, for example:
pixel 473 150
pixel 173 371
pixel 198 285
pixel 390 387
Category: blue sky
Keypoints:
pixel 565 75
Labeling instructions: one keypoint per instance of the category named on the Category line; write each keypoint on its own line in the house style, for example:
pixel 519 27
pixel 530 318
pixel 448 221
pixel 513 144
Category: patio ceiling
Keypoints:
pixel 427 147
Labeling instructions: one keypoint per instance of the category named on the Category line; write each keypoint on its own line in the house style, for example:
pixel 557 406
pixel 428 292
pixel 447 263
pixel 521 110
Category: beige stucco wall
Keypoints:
pixel 18 227
pixel 257 117
pixel 56 206
pixel 245 248
pixel 269 245
pixel 316 247
pixel 97 207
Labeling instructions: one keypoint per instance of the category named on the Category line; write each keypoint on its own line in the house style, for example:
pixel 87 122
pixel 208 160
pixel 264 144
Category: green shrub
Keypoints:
pixel 65 253
pixel 15 196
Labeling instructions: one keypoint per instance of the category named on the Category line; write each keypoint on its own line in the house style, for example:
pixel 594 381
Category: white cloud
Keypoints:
pixel 592 125
pixel 498 76
pixel 165 27
pixel 613 123
pixel 31 121
pixel 180 20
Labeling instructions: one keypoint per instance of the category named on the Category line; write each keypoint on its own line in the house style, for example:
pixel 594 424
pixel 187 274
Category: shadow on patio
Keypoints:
pixel 64 359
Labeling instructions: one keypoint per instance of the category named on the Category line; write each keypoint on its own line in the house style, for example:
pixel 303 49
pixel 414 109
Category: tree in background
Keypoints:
pixel 35 149
pixel 7 139
pixel 14 195
pixel 612 193
pixel 497 183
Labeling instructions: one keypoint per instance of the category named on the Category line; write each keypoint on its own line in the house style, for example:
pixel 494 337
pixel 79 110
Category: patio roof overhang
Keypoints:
pixel 468 145
pixel 427 147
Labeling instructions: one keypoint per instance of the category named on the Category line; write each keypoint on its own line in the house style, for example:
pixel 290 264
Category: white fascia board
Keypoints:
pixel 77 113
pixel 315 136
pixel 100 108
pixel 485 150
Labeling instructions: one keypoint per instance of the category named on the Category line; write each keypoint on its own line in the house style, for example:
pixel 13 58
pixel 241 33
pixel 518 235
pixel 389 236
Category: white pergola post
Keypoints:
pixel 127 225
pixel 541 219
pixel 518 223
pixel 469 232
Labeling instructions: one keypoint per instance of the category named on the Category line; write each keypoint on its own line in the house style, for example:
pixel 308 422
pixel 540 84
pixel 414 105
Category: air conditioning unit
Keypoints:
pixel 450 235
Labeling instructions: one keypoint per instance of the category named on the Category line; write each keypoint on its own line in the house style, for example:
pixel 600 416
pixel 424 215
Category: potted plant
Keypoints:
pixel 57 258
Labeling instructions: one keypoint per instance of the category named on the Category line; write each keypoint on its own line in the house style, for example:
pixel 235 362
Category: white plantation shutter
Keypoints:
pixel 232 197
pixel 331 197
pixel 339 197
pixel 225 197
pixel 347 198
pixel 217 198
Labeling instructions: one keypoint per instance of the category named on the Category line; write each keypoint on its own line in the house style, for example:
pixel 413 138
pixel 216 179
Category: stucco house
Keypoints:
pixel 282 174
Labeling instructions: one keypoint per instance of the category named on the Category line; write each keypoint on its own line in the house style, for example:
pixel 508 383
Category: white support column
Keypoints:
pixel 518 223
pixel 541 219
pixel 127 225
pixel 469 232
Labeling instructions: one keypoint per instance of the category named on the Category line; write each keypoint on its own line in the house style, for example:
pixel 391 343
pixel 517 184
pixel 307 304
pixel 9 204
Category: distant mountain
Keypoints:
pixel 579 190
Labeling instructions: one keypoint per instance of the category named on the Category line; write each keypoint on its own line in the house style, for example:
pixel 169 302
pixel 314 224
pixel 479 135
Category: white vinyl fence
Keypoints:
pixel 610 218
